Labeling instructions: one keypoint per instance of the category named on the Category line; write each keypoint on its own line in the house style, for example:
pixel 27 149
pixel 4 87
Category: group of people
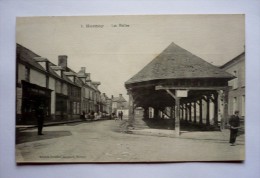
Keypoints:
pixel 92 115
pixel 120 115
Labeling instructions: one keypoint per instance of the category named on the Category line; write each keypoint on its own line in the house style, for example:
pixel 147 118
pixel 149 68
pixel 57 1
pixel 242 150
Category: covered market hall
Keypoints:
pixel 181 86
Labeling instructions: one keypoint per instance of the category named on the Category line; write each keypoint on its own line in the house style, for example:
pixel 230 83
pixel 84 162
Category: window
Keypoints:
pixel 27 74
pixel 243 105
pixel 242 77
pixel 234 104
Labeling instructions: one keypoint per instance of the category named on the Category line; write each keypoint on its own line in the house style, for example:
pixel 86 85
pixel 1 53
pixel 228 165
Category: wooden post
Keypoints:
pixel 171 112
pixel 190 112
pixel 182 112
pixel 146 114
pixel 177 116
pixel 195 112
pixel 156 113
pixel 131 110
pixel 207 116
pixel 216 109
pixel 186 112
pixel 201 114
pixel 225 102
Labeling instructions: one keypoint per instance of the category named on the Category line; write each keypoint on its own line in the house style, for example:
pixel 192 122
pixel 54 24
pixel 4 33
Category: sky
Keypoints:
pixel 114 48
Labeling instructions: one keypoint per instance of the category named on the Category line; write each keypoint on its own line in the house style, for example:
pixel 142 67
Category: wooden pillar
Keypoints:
pixel 177 113
pixel 207 116
pixel 216 109
pixel 182 112
pixel 201 114
pixel 131 110
pixel 156 113
pixel 171 113
pixel 195 112
pixel 190 112
pixel 173 110
pixel 177 117
pixel 225 102
pixel 146 113
pixel 186 112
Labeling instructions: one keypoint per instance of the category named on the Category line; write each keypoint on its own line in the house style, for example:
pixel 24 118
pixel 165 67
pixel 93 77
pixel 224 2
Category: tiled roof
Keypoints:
pixel 177 63
pixel 27 56
pixel 234 60
pixel 118 99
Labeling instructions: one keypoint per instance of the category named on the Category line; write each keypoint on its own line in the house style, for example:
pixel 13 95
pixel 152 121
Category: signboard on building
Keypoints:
pixel 182 93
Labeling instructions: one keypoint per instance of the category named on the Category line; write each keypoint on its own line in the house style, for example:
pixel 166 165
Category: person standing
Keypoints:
pixel 121 115
pixel 234 123
pixel 40 118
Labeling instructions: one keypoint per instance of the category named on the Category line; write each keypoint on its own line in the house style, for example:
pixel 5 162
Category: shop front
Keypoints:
pixel 32 97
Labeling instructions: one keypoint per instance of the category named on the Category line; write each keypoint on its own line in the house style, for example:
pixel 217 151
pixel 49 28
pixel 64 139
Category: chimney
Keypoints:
pixel 62 61
pixel 88 77
pixel 83 69
pixel 82 74
pixel 112 96
pixel 120 95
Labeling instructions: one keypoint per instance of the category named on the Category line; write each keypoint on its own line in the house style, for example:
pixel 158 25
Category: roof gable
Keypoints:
pixel 119 99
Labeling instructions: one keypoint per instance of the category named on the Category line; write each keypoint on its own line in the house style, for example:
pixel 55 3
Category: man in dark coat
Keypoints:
pixel 40 118
pixel 122 115
pixel 234 123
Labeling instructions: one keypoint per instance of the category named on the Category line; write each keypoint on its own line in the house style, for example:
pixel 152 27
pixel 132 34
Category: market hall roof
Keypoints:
pixel 177 63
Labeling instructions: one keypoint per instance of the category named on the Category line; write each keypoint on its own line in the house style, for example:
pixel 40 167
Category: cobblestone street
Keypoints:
pixel 104 141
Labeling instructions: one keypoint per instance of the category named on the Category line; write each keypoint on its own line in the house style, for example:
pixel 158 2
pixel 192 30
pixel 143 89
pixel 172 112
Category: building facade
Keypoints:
pixel 119 104
pixel 64 93
pixel 236 92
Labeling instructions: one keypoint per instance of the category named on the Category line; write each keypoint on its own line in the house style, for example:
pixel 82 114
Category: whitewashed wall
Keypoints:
pixel 53 94
pixel 37 78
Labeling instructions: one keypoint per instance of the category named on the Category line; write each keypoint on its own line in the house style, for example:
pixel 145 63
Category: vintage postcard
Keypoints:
pixel 139 88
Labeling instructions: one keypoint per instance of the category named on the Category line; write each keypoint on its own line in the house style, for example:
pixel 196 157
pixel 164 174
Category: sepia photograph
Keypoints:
pixel 130 89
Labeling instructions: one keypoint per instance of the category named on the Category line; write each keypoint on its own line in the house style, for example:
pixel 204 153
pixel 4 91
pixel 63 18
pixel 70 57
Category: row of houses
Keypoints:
pixel 64 93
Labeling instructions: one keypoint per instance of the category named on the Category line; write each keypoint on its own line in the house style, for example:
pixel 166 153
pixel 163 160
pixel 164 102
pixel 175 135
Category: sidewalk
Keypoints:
pixel 24 127
pixel 141 128
pixel 212 136
pixel 54 123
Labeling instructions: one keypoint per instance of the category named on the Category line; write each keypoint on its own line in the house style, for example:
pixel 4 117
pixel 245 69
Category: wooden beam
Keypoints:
pixel 160 87
pixel 170 93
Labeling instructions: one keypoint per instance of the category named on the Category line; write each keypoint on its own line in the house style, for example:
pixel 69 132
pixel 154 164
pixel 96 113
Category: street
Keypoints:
pixel 104 141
